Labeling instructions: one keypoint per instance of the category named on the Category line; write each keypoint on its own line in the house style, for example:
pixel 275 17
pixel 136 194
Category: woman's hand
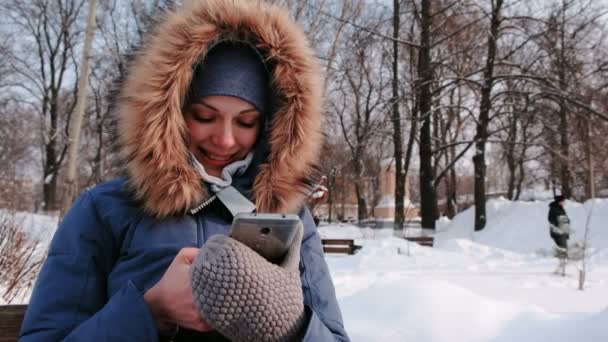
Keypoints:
pixel 171 301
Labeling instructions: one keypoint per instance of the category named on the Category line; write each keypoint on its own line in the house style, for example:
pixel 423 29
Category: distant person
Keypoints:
pixel 559 225
pixel 317 220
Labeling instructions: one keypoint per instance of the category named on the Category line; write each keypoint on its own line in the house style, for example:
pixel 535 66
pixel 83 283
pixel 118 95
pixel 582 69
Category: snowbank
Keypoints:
pixel 522 226
pixel 438 311
pixel 39 227
pixel 393 290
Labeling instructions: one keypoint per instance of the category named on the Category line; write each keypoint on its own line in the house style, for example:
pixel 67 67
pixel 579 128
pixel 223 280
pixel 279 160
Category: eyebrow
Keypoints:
pixel 202 102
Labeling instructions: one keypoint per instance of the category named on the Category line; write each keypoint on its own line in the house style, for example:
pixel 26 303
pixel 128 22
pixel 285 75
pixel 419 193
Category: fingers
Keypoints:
pixel 197 323
pixel 204 326
pixel 188 254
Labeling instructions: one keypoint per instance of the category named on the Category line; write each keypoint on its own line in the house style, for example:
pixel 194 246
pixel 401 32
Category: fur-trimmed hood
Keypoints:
pixel 151 127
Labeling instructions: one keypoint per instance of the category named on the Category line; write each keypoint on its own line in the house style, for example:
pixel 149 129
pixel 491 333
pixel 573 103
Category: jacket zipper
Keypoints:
pixel 198 218
pixel 201 206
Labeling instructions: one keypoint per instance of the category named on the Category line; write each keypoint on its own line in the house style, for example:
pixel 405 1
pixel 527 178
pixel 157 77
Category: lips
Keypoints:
pixel 216 159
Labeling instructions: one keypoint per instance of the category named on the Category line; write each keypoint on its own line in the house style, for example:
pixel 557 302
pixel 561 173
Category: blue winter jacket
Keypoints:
pixel 107 252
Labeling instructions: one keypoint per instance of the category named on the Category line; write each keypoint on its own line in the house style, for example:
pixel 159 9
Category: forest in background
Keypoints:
pixel 467 97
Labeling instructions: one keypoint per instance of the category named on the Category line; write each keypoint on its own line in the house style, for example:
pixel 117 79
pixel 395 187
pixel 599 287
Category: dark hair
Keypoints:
pixel 559 198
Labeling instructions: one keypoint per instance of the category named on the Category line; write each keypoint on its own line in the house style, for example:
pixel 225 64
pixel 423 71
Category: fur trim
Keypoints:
pixel 152 131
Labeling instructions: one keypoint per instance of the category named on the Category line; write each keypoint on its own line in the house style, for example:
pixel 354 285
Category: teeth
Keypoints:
pixel 215 157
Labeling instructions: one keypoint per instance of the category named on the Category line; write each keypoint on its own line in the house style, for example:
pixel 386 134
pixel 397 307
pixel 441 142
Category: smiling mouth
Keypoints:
pixel 215 157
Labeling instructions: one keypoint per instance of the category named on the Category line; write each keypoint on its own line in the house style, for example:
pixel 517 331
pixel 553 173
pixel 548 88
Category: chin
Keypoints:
pixel 214 173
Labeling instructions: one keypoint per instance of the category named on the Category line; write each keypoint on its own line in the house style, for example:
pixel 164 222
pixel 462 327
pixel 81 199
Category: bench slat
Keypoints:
pixel 422 240
pixel 342 246
pixel 348 242
pixel 342 250
pixel 11 317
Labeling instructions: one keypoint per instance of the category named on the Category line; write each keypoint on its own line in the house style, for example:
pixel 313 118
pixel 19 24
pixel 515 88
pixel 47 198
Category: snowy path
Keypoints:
pixel 466 292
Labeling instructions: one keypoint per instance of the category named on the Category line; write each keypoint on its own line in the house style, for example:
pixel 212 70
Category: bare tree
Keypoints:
pixel 120 26
pixel 44 67
pixel 5 69
pixel 396 121
pixel 484 117
pixel 19 264
pixel 568 37
pixel 520 136
pixel 359 109
pixel 75 124
pixel 428 196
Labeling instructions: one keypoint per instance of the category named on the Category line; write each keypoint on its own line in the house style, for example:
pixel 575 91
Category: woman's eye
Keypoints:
pixel 202 118
pixel 248 124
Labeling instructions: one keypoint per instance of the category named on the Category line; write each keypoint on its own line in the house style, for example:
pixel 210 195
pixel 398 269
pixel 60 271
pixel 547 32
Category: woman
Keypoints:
pixel 224 94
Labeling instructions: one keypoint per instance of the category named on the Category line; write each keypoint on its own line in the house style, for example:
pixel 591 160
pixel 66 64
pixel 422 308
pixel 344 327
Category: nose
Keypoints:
pixel 224 137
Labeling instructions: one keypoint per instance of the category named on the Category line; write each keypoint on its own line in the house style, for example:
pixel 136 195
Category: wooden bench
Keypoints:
pixel 422 240
pixel 11 317
pixel 341 246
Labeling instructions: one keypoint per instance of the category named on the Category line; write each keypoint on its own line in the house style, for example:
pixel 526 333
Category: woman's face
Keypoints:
pixel 223 129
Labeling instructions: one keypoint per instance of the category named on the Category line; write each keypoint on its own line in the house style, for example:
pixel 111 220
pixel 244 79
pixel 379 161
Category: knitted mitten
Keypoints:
pixel 245 297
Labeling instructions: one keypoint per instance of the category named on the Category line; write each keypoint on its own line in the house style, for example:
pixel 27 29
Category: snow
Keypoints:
pixel 318 194
pixel 39 227
pixel 388 201
pixel 493 285
pixel 522 226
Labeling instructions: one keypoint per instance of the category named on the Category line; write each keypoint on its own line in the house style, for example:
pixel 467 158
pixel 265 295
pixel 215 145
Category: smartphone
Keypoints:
pixel 270 235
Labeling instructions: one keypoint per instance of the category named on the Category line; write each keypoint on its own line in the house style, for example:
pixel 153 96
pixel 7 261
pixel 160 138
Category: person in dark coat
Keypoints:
pixel 559 222
pixel 559 226
pixel 224 94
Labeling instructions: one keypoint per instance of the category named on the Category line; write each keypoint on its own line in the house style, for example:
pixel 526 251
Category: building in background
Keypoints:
pixel 380 196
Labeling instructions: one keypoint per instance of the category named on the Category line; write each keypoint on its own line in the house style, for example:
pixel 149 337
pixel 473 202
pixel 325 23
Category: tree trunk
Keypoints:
pixel 428 198
pixel 76 122
pixel 563 114
pixel 510 156
pixel 361 204
pixel 343 197
pixel 481 136
pixel 453 199
pixel 521 178
pixel 589 152
pixel 396 120
pixel 331 184
pixel 564 148
pixel 51 162
pixel 450 185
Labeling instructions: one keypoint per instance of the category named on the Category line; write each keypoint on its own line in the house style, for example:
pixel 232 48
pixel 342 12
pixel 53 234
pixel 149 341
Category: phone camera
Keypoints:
pixel 265 231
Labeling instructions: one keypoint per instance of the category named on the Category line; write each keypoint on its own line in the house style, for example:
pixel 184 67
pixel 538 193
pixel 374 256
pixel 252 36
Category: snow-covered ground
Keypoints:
pixel 40 229
pixel 494 285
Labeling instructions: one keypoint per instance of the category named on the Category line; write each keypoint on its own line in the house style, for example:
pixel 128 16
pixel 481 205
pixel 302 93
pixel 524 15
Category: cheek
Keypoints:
pixel 197 132
pixel 247 138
